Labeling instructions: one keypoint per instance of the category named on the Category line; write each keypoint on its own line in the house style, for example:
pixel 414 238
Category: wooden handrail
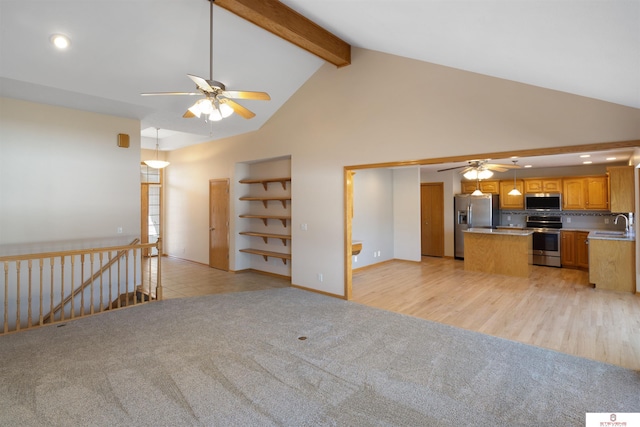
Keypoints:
pixel 24 292
pixel 81 288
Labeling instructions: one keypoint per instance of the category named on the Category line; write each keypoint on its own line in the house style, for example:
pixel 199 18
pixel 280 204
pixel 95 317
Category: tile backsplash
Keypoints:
pixel 570 219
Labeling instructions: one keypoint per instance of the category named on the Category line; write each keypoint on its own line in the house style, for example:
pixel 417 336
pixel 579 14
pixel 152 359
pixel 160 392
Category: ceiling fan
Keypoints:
pixel 481 169
pixel 217 102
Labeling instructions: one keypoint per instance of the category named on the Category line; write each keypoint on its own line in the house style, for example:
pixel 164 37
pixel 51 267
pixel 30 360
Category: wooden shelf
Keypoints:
pixel 267 254
pixel 264 182
pixel 265 200
pixel 267 236
pixel 265 218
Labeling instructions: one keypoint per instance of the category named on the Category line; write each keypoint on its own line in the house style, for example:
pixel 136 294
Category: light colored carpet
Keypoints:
pixel 237 360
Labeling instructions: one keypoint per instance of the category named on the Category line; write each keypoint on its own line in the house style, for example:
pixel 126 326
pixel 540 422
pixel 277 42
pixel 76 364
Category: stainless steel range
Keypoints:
pixel 546 239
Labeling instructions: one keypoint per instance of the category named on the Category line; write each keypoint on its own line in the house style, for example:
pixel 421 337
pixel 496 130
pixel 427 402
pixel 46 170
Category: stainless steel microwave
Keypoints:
pixel 543 201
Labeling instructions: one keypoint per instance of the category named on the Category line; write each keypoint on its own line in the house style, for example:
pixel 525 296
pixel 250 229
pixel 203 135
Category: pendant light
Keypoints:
pixel 157 163
pixel 477 192
pixel 515 191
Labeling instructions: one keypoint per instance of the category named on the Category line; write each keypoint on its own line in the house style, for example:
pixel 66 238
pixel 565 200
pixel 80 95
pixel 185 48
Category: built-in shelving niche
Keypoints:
pixel 263 231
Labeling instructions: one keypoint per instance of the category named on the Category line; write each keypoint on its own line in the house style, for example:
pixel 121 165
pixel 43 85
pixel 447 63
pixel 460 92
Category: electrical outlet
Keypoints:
pixel 568 219
pixel 119 230
pixel 606 220
pixel 508 217
pixel 355 258
pixel 320 277
pixel 378 253
pixel 303 227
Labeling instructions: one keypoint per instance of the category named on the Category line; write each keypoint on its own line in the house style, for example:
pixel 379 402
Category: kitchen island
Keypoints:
pixel 612 260
pixel 498 251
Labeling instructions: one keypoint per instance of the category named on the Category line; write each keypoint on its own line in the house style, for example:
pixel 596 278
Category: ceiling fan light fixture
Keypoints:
pixel 223 111
pixel 472 174
pixel 478 174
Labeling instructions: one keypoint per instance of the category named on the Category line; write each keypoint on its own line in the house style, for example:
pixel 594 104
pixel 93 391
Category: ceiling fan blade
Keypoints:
pixel 500 167
pixel 247 114
pixel 188 115
pixel 448 169
pixel 243 94
pixel 201 83
pixel 169 93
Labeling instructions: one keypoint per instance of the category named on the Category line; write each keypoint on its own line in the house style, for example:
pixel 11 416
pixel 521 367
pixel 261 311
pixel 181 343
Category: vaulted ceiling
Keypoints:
pixel 122 48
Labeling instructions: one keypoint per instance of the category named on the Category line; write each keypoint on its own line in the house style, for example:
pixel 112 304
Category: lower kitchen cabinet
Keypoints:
pixel 574 249
pixel 613 264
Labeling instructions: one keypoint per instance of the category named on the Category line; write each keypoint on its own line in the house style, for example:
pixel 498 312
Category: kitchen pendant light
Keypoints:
pixel 515 191
pixel 157 163
pixel 477 191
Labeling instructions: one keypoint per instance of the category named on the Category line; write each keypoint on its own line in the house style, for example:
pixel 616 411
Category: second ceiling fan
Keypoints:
pixel 481 169
pixel 217 102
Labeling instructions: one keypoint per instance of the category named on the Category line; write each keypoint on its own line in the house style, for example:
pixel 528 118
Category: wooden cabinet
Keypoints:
pixel 511 202
pixel 487 187
pixel 581 193
pixel 574 249
pixel 613 264
pixel 568 248
pixel 543 185
pixel 582 249
pixel 621 188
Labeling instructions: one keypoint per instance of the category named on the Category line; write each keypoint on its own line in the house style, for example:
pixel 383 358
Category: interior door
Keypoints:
pixel 219 224
pixel 432 218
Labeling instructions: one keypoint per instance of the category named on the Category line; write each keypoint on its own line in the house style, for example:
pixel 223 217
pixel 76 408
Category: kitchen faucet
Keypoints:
pixel 626 220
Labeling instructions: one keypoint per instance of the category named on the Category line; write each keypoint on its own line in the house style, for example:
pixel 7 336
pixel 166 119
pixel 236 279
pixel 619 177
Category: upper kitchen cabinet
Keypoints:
pixel 508 201
pixel 622 191
pixel 543 185
pixel 591 192
pixel 487 187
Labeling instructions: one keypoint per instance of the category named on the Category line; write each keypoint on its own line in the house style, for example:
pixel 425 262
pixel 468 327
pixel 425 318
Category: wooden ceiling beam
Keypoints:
pixel 284 22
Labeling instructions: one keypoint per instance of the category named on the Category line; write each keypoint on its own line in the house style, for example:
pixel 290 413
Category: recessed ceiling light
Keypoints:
pixel 585 155
pixel 60 41
pixel 611 158
pixel 528 166
pixel 588 162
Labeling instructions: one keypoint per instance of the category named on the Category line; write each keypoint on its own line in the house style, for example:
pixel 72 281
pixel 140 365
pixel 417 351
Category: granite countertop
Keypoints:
pixel 503 231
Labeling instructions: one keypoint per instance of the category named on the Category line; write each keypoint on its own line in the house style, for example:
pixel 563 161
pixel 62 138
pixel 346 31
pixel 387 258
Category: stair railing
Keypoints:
pixel 76 283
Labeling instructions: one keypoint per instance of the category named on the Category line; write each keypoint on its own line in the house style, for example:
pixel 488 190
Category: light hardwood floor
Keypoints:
pixel 554 308
pixel 181 279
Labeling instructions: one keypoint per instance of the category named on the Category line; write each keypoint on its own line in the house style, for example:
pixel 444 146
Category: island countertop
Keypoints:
pixel 500 231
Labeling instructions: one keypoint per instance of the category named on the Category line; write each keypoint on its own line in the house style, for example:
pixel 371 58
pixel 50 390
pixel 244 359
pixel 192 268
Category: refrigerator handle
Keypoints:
pixel 469 216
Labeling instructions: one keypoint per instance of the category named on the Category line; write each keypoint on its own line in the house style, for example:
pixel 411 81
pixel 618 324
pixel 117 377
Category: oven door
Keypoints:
pixel 546 248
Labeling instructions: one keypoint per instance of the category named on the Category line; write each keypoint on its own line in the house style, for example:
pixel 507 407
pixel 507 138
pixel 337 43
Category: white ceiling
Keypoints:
pixel 122 48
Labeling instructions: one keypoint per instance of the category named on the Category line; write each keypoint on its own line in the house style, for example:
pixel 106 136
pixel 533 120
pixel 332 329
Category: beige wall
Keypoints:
pixel 382 108
pixel 64 182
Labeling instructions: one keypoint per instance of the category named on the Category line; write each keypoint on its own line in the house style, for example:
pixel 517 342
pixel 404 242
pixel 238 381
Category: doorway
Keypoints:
pixel 432 219
pixel 150 207
pixel 219 224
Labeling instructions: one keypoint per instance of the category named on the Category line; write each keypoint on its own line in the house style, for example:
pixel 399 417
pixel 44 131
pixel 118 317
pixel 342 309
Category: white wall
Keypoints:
pixel 64 182
pixel 372 222
pixel 338 119
pixel 406 214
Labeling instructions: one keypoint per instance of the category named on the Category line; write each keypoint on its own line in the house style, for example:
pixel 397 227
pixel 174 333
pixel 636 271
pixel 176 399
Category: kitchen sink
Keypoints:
pixel 610 233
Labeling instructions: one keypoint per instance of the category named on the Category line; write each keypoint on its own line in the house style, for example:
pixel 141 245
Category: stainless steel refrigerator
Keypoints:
pixel 473 211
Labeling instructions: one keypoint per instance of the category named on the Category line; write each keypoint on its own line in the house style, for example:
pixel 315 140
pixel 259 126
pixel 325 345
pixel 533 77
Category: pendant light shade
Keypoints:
pixel 477 191
pixel 157 163
pixel 515 191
